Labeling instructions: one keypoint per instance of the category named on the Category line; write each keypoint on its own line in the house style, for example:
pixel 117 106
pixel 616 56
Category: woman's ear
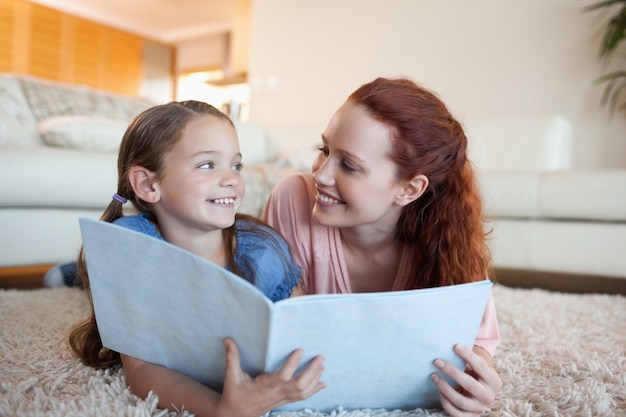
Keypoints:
pixel 142 181
pixel 412 190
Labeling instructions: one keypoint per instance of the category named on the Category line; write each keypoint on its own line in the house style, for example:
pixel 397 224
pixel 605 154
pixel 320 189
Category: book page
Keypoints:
pixel 167 306
pixel 379 347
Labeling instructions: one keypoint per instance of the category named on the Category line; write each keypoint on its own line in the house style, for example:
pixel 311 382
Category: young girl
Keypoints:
pixel 179 165
pixel 392 204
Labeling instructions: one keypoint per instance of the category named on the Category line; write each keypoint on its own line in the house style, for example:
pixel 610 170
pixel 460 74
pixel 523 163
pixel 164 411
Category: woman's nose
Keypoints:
pixel 322 172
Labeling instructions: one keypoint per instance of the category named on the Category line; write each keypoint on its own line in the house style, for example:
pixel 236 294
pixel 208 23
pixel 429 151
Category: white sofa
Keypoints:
pixel 48 180
pixel 545 216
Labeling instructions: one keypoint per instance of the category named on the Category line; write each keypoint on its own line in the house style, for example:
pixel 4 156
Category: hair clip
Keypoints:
pixel 119 198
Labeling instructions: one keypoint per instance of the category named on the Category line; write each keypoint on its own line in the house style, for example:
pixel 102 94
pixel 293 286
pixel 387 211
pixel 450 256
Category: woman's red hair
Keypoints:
pixel 445 225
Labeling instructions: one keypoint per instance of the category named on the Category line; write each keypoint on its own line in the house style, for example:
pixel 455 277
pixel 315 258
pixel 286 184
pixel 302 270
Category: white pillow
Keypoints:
pixel 83 132
pixel 17 124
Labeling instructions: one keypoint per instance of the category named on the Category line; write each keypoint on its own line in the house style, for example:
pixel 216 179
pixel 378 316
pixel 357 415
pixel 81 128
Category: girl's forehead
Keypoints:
pixel 207 133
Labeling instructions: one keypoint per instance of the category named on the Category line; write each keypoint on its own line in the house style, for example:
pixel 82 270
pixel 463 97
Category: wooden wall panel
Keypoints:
pixel 87 52
pixel 40 41
pixel 8 25
pixel 6 29
pixel 46 43
pixel 123 56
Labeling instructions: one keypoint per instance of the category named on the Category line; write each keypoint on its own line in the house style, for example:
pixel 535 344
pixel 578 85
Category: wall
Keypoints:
pixel 156 75
pixel 487 59
pixel 200 53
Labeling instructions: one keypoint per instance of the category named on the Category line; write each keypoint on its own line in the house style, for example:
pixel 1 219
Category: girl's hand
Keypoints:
pixel 246 396
pixel 477 387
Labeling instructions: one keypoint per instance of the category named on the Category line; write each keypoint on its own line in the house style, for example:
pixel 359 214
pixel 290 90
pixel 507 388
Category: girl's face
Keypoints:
pixel 356 180
pixel 200 187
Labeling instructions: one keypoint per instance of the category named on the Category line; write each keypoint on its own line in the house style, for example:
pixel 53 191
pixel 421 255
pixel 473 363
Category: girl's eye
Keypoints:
pixel 238 167
pixel 207 165
pixel 323 150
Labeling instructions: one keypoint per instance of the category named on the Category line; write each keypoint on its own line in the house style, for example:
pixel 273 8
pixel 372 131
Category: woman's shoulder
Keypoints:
pixel 295 184
pixel 293 195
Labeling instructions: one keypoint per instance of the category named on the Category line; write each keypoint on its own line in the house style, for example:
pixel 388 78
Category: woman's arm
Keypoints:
pixel 242 396
pixel 476 387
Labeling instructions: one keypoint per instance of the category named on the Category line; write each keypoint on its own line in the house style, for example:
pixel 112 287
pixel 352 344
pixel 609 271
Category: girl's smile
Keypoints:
pixel 226 201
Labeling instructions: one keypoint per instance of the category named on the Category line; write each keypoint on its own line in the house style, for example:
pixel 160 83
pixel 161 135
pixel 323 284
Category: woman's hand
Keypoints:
pixel 246 396
pixel 476 388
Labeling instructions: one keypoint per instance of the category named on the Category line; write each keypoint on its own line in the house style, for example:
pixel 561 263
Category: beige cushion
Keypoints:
pixel 598 195
pixel 520 144
pixel 83 132
pixel 509 194
pixel 45 176
pixel 17 123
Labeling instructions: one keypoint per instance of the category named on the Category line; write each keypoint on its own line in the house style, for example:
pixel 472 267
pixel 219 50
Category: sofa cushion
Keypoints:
pixel 576 247
pixel 252 143
pixel 49 99
pixel 295 145
pixel 83 132
pixel 541 143
pixel 45 176
pixel 17 124
pixel 260 180
pixel 509 194
pixel 598 195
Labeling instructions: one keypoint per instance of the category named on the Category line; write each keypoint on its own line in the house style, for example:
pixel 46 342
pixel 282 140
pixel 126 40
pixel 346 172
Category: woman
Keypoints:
pixel 392 204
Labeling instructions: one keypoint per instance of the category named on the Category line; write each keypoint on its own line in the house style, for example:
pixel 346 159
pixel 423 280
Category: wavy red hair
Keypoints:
pixel 445 225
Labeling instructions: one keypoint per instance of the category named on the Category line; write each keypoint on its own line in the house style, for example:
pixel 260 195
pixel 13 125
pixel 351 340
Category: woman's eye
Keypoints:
pixel 207 165
pixel 348 167
pixel 323 150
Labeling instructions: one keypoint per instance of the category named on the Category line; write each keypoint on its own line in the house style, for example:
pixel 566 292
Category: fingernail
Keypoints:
pixel 439 363
pixel 436 378
pixel 459 348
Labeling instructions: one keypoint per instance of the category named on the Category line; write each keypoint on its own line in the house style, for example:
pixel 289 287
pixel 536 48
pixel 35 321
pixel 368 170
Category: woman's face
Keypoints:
pixel 355 178
pixel 201 187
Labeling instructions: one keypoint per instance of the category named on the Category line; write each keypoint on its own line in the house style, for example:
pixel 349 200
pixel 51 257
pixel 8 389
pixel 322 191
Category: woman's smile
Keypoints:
pixel 327 199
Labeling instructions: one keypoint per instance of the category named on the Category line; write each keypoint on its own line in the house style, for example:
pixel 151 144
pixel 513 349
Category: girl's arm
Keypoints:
pixel 242 396
pixel 476 387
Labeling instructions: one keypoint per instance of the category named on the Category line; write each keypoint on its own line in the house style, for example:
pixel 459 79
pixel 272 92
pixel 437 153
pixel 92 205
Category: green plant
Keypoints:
pixel 614 33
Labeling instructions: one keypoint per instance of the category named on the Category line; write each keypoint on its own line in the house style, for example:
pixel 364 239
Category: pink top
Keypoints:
pixel 319 251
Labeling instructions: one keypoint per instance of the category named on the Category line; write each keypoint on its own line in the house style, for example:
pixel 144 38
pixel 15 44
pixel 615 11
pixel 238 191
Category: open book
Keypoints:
pixel 165 305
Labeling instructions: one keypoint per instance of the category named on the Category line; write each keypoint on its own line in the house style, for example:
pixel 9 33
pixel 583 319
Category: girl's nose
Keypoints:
pixel 230 179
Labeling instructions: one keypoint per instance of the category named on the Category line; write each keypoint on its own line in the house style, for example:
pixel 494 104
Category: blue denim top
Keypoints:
pixel 254 254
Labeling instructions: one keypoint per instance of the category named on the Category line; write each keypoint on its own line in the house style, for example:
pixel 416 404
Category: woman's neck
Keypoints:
pixel 372 259
pixel 367 239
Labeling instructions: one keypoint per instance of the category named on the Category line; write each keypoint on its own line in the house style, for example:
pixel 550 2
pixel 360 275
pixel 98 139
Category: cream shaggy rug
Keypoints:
pixel 561 355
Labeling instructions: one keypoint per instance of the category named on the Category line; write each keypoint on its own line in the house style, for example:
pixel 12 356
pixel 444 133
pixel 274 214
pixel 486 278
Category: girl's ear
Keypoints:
pixel 142 181
pixel 412 190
